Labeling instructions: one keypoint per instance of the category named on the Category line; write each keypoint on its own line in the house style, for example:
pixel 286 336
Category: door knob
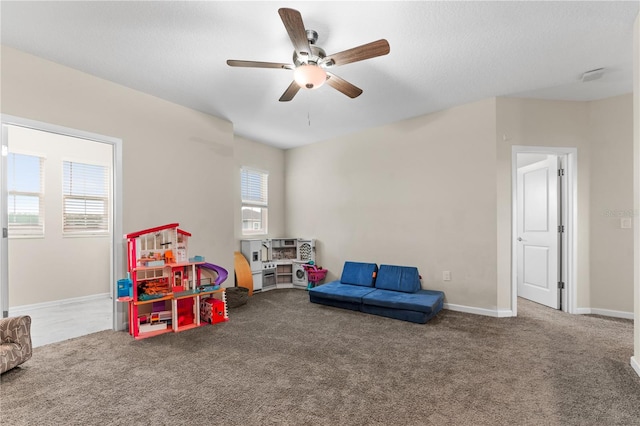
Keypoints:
pixel 520 239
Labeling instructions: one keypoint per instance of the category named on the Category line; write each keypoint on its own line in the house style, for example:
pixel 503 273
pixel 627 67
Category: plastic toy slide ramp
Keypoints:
pixel 243 272
pixel 221 273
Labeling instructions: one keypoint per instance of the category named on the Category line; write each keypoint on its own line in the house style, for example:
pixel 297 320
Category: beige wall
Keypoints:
pixel 178 164
pixel 38 272
pixel 428 191
pixel 601 132
pixel 611 249
pixel 531 122
pixel 419 192
pixel 268 159
pixel 432 193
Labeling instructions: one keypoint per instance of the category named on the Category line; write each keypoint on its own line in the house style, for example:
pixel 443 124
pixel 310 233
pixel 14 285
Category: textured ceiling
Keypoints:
pixel 442 54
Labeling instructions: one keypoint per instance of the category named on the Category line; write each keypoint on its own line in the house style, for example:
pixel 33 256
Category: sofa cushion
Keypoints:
pixel 335 290
pixel 358 273
pixel 398 278
pixel 422 301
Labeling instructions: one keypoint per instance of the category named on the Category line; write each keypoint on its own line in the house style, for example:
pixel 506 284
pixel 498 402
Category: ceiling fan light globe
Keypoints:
pixel 309 76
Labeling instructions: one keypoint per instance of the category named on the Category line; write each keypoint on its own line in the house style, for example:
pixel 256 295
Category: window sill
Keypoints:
pixel 86 235
pixel 26 237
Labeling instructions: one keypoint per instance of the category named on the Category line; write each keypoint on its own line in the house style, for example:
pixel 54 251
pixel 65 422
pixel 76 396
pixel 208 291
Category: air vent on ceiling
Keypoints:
pixel 592 75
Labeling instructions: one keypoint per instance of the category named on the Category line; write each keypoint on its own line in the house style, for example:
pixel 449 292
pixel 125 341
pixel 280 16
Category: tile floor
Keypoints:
pixel 67 320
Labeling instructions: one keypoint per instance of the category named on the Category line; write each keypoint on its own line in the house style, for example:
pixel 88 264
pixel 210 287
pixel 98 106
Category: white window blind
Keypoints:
pixel 85 191
pixel 25 187
pixel 254 194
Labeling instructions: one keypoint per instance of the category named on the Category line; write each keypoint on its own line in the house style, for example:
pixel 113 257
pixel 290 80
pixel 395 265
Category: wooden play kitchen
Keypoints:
pixel 167 291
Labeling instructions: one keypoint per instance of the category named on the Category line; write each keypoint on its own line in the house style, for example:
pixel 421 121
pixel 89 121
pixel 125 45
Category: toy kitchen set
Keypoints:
pixel 278 262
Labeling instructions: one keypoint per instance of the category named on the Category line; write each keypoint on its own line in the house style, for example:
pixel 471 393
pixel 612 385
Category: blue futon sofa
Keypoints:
pixel 390 291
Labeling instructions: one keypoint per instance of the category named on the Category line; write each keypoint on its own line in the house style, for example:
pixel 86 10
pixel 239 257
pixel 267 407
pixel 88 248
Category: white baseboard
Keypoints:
pixel 503 313
pixel 20 310
pixel 498 313
pixel 635 365
pixel 279 286
pixel 611 313
pixel 284 286
pixel 605 312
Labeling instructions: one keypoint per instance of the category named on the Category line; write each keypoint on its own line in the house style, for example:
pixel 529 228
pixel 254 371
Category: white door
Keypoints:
pixel 537 237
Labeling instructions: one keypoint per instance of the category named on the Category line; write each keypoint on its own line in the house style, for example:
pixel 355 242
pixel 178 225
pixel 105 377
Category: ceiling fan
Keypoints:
pixel 310 63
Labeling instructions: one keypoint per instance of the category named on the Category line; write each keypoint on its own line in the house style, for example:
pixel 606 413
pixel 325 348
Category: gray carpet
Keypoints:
pixel 282 360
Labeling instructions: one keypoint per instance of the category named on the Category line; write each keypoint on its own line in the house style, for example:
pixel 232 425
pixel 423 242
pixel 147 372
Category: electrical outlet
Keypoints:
pixel 446 275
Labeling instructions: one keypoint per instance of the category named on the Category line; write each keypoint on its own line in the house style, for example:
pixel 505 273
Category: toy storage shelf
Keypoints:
pixel 192 298
pixel 284 274
pixel 219 294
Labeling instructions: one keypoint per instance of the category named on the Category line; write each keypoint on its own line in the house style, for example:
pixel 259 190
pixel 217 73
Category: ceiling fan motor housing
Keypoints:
pixel 316 57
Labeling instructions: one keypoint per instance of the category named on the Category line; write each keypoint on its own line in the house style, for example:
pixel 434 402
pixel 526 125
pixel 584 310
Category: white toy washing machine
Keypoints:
pixel 299 274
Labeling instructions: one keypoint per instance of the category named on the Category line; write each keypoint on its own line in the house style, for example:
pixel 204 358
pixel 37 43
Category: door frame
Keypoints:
pixel 569 211
pixel 117 250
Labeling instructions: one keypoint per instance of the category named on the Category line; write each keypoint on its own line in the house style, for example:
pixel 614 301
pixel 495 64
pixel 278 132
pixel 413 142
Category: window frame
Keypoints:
pixel 260 203
pixel 34 231
pixel 68 194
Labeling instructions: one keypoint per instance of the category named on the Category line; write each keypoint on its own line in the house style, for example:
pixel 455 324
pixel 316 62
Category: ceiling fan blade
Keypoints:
pixel 256 64
pixel 343 86
pixel 292 21
pixel 360 53
pixel 290 92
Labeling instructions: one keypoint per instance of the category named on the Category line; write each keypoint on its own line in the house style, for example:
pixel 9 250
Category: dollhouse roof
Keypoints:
pixel 157 229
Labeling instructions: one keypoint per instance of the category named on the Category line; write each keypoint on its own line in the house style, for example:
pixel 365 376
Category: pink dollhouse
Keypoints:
pixel 166 291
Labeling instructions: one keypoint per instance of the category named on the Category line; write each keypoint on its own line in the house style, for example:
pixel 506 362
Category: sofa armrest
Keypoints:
pixel 15 341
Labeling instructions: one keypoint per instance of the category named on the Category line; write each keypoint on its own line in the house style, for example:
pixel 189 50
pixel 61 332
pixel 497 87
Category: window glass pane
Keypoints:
pixel 24 209
pixel 23 173
pixel 254 220
pixel 251 216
